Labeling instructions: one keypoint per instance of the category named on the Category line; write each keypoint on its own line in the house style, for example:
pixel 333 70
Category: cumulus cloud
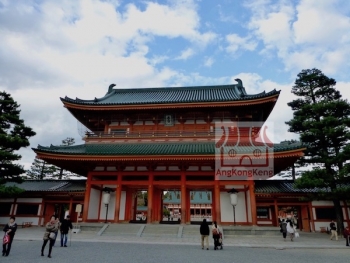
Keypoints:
pixel 236 42
pixel 185 54
pixel 310 34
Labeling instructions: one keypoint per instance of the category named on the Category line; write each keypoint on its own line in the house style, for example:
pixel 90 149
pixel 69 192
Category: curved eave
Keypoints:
pixel 193 157
pixel 72 105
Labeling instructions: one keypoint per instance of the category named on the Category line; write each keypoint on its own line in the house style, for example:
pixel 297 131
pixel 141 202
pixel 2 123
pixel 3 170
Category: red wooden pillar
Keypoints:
pixel 311 217
pixel 87 197
pixel 217 213
pixel 253 203
pixel 183 198
pixel 188 206
pixel 276 210
pixel 150 218
pixel 128 204
pixel 118 195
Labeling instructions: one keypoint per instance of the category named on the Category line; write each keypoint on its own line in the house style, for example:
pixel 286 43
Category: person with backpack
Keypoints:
pixel 204 231
pixel 216 234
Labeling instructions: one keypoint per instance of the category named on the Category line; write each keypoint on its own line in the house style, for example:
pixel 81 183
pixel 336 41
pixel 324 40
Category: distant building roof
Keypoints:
pixel 50 185
pixel 164 95
pixel 196 197
pixel 280 186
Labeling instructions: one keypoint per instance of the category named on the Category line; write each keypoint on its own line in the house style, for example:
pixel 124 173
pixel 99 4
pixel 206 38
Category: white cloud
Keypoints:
pixel 236 42
pixel 311 34
pixel 185 54
pixel 208 61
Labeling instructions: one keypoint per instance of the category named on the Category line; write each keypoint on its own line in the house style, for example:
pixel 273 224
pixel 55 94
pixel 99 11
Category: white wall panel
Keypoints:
pixel 29 200
pixel 227 209
pixel 93 204
pixel 122 205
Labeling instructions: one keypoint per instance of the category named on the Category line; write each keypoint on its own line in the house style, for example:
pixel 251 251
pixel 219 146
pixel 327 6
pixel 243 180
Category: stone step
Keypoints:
pixel 122 229
pixel 160 230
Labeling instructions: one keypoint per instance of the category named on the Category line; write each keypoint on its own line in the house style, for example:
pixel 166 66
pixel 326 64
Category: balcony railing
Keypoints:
pixel 151 134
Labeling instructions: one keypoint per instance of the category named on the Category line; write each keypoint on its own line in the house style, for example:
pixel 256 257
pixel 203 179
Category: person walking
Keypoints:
pixel 290 228
pixel 10 230
pixel 283 226
pixel 216 234
pixel 347 235
pixel 333 228
pixel 49 235
pixel 65 226
pixel 204 231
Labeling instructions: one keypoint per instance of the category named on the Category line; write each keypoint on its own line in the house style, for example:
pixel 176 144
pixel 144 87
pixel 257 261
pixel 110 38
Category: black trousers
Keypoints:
pixel 284 234
pixel 52 241
pixel 7 247
pixel 347 240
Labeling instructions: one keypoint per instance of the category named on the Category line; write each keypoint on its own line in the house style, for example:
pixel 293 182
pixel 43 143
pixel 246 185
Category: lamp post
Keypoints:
pixel 106 198
pixel 234 200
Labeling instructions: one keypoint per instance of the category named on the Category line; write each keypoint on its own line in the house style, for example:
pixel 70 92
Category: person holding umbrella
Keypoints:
pixel 65 226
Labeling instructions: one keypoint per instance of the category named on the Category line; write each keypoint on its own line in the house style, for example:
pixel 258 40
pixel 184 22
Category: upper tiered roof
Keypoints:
pixel 166 95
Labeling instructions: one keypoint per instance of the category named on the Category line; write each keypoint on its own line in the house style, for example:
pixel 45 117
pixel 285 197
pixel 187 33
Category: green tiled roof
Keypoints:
pixel 219 93
pixel 50 185
pixel 279 187
pixel 159 148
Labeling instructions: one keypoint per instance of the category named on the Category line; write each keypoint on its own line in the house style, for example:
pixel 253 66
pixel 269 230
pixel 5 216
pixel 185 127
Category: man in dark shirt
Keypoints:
pixel 65 226
pixel 333 228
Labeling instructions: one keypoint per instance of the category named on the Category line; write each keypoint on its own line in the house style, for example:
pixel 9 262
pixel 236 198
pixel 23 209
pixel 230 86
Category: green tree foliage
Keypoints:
pixel 13 136
pixel 62 173
pixel 41 170
pixel 322 119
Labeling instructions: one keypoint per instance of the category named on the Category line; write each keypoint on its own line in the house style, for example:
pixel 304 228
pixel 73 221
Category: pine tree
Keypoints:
pixel 13 136
pixel 63 173
pixel 322 119
pixel 40 169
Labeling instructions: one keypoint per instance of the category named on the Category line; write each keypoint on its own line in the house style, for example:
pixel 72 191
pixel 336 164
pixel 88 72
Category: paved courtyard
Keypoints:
pixel 86 252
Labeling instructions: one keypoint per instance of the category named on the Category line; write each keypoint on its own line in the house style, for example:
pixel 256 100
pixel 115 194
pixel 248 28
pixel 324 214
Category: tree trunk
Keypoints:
pixel 339 216
pixel 60 175
pixel 42 171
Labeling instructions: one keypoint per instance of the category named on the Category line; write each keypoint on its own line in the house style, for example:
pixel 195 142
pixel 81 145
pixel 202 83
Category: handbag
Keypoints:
pixel 6 239
pixel 52 235
pixel 296 234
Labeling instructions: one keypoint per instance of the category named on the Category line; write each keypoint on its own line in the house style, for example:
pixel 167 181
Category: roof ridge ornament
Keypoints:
pixel 240 87
pixel 110 88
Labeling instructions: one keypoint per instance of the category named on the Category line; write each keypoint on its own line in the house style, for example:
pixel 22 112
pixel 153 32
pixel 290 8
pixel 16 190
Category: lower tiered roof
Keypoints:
pixel 154 148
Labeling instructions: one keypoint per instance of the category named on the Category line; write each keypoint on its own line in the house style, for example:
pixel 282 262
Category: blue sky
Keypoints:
pixel 52 49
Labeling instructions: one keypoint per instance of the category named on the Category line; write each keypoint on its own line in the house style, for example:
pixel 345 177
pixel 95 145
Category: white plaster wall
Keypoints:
pixel 7 200
pixel 29 200
pixel 322 203
pixel 321 224
pixel 227 209
pixel 314 212
pixel 93 204
pixel 122 205
pixel 20 220
pixel 111 208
